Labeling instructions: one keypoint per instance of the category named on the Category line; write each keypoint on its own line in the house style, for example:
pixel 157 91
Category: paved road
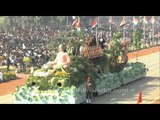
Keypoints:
pixel 128 94
pixel 150 86
pixel 7 99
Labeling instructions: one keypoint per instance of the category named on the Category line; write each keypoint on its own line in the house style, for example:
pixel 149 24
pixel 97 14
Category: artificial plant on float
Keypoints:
pixel 115 51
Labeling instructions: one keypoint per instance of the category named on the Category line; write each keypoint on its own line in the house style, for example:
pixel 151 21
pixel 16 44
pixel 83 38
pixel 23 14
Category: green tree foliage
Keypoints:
pixel 117 35
pixel 116 51
pixel 137 38
pixel 4 21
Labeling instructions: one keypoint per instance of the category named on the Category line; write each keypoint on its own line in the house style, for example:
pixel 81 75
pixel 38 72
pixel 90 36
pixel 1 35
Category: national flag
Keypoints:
pixel 76 24
pixel 145 20
pixel 152 20
pixel 123 22
pixel 135 21
pixel 93 23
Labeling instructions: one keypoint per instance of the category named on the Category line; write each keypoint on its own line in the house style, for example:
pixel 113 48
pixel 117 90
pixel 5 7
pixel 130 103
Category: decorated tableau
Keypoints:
pixel 65 80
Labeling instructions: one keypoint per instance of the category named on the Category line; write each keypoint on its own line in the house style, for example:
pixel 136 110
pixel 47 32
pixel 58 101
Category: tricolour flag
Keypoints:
pixel 123 22
pixel 145 20
pixel 93 23
pixel 152 20
pixel 76 24
pixel 135 21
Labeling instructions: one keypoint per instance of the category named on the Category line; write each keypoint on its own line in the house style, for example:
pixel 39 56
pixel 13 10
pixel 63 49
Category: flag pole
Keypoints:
pixel 98 21
pixel 159 51
pixel 152 21
pixel 67 21
pixel 133 34
pixel 22 22
pixel 144 32
pixel 110 21
pixel 135 47
pixel 36 20
pixel 153 36
pixel 123 29
pixel 52 19
pixel 137 44
pixel 96 31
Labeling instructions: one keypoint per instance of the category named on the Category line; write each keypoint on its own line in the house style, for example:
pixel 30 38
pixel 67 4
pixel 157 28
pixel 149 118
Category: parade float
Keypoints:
pixel 107 69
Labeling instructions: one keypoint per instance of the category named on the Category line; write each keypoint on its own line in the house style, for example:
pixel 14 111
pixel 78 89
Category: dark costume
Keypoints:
pixel 101 43
pixel 89 90
pixel 93 42
pixel 8 63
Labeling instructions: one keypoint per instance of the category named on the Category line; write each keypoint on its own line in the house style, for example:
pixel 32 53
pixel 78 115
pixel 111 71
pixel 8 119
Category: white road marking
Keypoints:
pixel 123 94
pixel 113 99
pixel 141 85
pixel 149 82
pixel 132 89
pixel 149 89
pixel 155 100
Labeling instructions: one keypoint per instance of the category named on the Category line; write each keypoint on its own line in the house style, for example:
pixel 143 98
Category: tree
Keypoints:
pixel 137 38
pixel 4 21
